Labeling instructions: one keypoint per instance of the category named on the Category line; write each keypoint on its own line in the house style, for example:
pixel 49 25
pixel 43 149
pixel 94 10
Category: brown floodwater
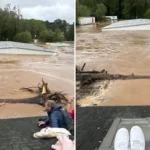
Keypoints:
pixel 18 71
pixel 119 52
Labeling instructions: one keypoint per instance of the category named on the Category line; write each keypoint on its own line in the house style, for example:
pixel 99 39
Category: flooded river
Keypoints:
pixel 119 52
pixel 18 71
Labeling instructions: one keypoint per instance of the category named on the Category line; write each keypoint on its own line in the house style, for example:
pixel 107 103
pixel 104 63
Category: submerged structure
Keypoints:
pixel 58 44
pixel 86 20
pixel 135 24
pixel 7 47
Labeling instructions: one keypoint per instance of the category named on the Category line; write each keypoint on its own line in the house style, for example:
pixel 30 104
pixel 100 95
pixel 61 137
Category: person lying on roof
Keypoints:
pixel 56 116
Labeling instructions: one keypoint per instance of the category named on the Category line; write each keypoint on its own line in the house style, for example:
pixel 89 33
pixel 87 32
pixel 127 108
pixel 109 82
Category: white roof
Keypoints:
pixel 111 17
pixel 127 23
pixel 8 45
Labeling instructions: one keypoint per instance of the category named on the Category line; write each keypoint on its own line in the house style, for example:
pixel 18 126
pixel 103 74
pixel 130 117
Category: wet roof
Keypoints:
pixel 98 126
pixel 25 46
pixel 127 23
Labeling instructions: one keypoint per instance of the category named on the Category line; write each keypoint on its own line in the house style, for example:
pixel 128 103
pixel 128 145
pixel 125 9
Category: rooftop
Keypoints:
pixel 128 23
pixel 94 122
pixel 17 134
pixel 24 46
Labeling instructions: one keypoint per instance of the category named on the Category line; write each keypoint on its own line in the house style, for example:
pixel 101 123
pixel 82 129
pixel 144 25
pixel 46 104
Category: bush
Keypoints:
pixel 47 36
pixel 24 37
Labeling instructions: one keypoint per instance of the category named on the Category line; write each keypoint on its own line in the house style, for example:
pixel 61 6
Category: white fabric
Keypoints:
pixel 137 139
pixel 121 139
pixel 51 132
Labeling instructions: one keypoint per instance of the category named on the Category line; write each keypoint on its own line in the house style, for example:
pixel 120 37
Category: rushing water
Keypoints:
pixel 119 52
pixel 27 71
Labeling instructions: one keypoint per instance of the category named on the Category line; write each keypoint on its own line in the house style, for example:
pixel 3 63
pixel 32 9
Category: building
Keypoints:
pixel 135 24
pixel 112 17
pixel 7 47
pixel 86 20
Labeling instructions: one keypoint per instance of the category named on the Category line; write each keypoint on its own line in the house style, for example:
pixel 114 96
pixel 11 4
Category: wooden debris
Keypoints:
pixel 44 94
pixel 2 104
pixel 87 77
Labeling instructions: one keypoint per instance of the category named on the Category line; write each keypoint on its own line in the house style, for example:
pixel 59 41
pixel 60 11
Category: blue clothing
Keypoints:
pixel 55 118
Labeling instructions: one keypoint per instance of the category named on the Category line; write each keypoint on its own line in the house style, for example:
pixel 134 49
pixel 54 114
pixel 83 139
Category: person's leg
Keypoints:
pixel 121 140
pixel 137 140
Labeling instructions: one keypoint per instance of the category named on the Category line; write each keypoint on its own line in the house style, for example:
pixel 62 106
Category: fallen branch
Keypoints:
pixel 2 104
pixel 44 94
pixel 86 77
pixel 102 76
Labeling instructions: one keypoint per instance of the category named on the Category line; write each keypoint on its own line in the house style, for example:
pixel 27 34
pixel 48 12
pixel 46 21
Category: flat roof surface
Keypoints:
pixel 25 46
pixel 17 134
pixel 127 23
pixel 93 123
pixel 144 123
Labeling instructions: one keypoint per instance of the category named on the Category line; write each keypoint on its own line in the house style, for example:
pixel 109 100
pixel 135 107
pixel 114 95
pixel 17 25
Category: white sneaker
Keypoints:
pixel 121 139
pixel 137 139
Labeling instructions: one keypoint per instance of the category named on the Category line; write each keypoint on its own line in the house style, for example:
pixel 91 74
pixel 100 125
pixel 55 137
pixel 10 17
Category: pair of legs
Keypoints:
pixel 135 141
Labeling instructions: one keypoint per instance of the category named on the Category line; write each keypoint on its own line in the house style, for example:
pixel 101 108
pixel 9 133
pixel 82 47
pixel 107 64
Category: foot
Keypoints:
pixel 137 139
pixel 121 140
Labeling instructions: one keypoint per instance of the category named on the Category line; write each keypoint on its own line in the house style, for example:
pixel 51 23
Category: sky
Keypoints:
pixel 44 9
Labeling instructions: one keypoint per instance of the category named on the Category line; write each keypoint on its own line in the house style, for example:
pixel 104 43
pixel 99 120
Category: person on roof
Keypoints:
pixel 55 117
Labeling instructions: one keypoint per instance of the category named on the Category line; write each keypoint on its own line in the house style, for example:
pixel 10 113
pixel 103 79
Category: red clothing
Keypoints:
pixel 72 114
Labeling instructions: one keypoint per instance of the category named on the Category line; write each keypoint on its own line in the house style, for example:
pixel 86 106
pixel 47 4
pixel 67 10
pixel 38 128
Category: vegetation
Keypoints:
pixel 24 37
pixel 124 9
pixel 100 11
pixel 14 28
pixel 147 14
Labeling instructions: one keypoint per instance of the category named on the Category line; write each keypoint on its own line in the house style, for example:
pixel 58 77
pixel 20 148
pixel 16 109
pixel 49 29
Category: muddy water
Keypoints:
pixel 27 71
pixel 119 52
pixel 21 110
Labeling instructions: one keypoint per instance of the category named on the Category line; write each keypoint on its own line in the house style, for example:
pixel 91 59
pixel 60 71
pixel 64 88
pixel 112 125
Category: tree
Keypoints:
pixel 59 36
pixel 124 9
pixel 127 4
pixel 47 36
pixel 81 10
pixel 70 33
pixel 147 14
pixel 24 37
pixel 13 26
pixel 100 12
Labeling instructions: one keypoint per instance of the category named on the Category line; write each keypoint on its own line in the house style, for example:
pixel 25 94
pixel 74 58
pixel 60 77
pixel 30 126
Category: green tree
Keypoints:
pixel 59 36
pixel 81 10
pixel 13 27
pixel 24 37
pixel 100 12
pixel 127 4
pixel 44 36
pixel 47 36
pixel 70 33
pixel 147 14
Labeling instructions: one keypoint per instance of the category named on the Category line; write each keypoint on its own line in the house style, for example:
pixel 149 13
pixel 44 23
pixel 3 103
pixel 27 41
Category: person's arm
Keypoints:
pixel 69 106
pixel 54 120
pixel 46 121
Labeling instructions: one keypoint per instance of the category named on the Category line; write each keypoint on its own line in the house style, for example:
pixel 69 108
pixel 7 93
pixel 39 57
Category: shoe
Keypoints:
pixel 137 139
pixel 121 140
